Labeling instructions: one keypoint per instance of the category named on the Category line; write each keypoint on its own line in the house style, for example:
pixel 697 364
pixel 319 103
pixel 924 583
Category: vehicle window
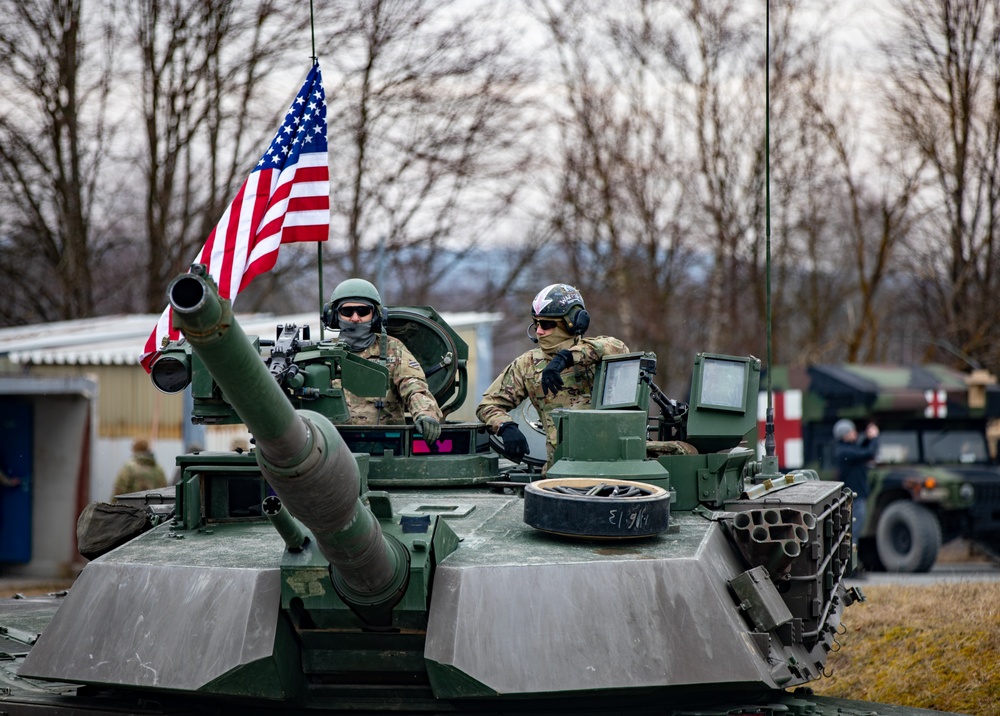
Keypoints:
pixel 897 446
pixel 951 446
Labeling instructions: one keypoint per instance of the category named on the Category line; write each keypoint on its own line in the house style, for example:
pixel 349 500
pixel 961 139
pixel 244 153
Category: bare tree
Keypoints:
pixel 53 134
pixel 619 200
pixel 204 68
pixel 739 142
pixel 944 98
pixel 724 72
pixel 860 215
pixel 660 204
pixel 429 139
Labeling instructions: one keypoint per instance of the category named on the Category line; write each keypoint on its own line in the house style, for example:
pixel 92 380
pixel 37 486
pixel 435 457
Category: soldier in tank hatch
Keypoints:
pixel 355 308
pixel 559 373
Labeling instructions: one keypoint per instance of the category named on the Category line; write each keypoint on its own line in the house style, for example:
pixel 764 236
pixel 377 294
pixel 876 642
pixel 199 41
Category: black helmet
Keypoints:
pixel 560 300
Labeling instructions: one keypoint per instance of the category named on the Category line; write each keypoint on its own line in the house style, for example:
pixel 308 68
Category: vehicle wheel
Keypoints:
pixel 596 507
pixel 908 537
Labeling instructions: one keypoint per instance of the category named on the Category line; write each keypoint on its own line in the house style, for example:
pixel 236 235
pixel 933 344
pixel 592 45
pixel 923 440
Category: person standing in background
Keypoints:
pixel 140 471
pixel 851 454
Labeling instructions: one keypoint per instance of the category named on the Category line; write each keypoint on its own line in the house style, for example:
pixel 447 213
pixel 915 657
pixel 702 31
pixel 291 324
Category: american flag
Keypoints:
pixel 285 199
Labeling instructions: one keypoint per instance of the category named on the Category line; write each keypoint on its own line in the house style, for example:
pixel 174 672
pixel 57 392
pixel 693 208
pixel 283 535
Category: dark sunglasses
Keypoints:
pixel 545 325
pixel 348 311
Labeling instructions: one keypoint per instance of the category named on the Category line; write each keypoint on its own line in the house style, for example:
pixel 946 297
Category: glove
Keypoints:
pixel 514 442
pixel 552 382
pixel 429 428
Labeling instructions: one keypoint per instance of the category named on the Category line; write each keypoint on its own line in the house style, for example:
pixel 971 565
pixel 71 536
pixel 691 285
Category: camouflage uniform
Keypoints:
pixel 407 390
pixel 523 379
pixel 139 473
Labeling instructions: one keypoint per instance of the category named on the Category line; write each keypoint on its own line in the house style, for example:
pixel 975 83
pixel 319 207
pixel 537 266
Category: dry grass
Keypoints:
pixel 934 647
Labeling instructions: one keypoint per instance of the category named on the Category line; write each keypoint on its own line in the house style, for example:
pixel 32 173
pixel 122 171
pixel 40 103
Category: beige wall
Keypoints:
pixel 128 405
pixel 468 410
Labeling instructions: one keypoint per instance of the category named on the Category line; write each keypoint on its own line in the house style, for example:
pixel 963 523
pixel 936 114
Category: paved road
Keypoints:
pixel 941 573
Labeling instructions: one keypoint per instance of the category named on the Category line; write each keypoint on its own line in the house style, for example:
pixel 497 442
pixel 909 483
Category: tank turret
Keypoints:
pixel 300 454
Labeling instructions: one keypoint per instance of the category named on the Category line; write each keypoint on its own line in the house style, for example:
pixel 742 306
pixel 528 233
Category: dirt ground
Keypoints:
pixel 961 550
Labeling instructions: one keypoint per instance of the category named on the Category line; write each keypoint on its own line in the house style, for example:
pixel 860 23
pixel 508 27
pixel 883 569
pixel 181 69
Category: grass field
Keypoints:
pixel 934 647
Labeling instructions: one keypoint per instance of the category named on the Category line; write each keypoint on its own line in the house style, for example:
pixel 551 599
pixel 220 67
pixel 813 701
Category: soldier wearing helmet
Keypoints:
pixel 140 471
pixel 559 373
pixel 355 308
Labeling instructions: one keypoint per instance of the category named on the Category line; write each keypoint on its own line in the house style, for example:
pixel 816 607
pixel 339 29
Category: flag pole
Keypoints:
pixel 319 244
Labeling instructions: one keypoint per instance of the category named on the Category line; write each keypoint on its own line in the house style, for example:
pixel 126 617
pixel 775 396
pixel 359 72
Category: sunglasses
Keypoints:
pixel 348 311
pixel 545 325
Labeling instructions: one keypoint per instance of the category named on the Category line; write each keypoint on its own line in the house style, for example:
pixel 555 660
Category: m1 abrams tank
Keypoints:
pixel 360 570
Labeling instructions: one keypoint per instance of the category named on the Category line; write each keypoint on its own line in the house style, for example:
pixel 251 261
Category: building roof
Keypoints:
pixel 119 339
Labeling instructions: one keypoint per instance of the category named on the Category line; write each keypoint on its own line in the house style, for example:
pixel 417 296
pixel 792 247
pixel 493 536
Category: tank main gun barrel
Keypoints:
pixel 300 453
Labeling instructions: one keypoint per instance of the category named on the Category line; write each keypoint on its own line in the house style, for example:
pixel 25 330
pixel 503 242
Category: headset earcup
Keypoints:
pixel 328 315
pixel 580 322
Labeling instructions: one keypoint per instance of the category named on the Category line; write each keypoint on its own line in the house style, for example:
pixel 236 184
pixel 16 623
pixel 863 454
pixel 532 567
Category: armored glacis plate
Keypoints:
pixel 597 508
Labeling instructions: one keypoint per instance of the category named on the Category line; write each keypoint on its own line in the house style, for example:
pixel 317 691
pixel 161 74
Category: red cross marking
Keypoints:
pixel 787 426
pixel 937 404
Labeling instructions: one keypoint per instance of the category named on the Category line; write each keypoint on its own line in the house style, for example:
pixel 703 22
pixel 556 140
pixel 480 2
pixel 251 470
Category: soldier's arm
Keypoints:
pixel 853 454
pixel 506 393
pixel 8 481
pixel 411 385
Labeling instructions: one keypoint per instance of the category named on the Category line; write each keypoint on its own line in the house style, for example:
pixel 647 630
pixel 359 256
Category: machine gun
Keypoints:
pixel 315 374
pixel 672 421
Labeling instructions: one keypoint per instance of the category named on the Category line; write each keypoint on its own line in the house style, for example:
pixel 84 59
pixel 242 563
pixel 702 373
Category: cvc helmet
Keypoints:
pixel 356 289
pixel 560 300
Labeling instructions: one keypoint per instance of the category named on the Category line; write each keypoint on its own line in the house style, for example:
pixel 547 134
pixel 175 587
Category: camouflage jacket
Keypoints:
pixel 139 473
pixel 408 389
pixel 523 379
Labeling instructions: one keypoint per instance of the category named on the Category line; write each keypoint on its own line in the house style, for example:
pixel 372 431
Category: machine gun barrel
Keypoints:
pixel 287 526
pixel 300 453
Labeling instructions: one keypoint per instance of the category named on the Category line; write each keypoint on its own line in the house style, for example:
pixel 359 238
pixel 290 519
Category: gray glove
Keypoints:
pixel 429 428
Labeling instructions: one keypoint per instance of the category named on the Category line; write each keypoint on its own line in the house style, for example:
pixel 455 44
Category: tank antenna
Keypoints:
pixel 770 462
pixel 319 244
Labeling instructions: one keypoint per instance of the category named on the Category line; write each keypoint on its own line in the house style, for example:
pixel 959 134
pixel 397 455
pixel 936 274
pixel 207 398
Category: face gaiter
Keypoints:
pixel 557 340
pixel 357 336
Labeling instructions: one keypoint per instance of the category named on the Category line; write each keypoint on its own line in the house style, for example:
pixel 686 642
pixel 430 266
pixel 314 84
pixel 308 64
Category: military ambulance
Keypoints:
pixel 935 477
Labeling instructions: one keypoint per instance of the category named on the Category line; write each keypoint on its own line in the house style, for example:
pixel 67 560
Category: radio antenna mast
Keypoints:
pixel 770 461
